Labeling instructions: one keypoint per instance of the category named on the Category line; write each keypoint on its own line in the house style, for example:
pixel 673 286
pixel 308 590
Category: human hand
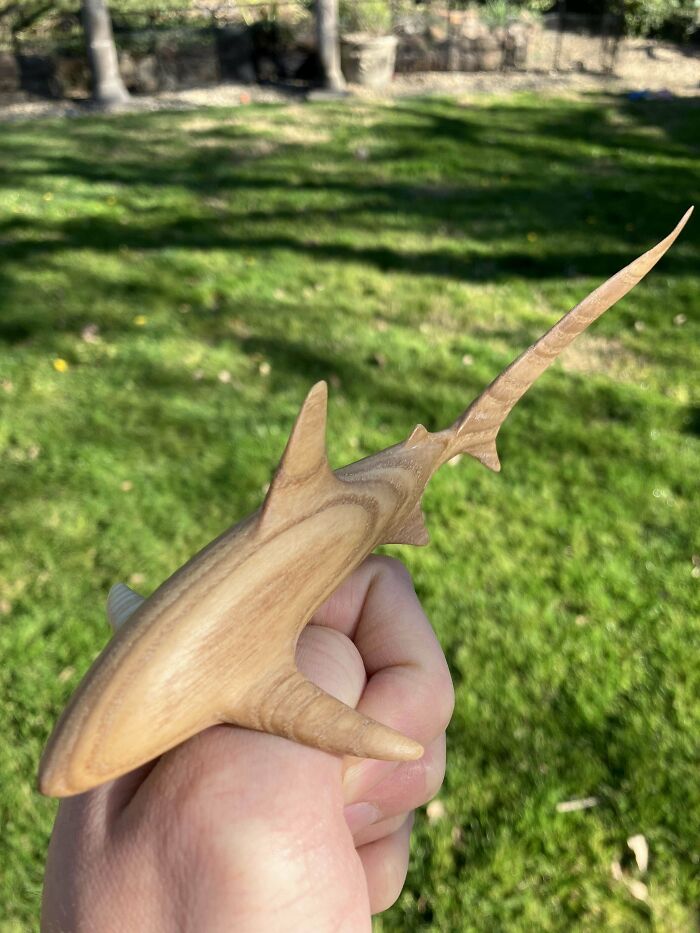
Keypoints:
pixel 242 831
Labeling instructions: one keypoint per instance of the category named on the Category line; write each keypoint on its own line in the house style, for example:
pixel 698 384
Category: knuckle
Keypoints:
pixel 444 695
pixel 392 568
pixel 434 693
pixel 435 764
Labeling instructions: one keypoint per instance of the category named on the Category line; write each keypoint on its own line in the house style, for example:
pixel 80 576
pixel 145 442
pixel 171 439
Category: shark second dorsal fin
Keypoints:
pixel 304 462
pixel 417 436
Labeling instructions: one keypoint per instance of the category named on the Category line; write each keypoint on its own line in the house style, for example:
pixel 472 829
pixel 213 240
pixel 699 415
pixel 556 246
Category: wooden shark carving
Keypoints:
pixel 215 643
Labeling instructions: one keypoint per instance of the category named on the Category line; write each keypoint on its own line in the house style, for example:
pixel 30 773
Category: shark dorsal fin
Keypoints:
pixel 304 462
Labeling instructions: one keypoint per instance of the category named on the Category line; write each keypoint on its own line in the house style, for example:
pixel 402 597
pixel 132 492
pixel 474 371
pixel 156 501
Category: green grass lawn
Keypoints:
pixel 170 286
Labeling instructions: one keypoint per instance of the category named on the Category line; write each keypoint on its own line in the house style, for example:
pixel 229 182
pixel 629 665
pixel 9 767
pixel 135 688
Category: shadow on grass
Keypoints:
pixel 539 177
pixel 505 174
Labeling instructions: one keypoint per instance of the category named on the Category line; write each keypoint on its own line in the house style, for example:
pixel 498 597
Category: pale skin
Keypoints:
pixel 243 831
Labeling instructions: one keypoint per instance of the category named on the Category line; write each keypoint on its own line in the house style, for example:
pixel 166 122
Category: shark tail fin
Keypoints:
pixel 475 431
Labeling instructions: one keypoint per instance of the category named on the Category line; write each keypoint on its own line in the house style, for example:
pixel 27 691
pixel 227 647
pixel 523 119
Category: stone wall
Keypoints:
pixel 460 42
pixel 183 57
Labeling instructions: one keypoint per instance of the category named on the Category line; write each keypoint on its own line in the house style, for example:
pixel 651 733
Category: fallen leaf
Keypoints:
pixel 435 811
pixel 637 889
pixel 583 803
pixel 640 848
pixel 90 333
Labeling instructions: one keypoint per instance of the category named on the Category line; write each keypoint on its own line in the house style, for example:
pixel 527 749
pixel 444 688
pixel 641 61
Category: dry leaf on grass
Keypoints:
pixel 640 848
pixel 435 811
pixel 570 806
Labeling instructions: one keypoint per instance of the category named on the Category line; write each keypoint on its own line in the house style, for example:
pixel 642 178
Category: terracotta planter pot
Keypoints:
pixel 368 60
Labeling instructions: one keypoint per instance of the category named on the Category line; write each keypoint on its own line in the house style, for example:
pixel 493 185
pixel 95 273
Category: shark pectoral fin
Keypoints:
pixel 410 531
pixel 297 709
pixel 304 463
pixel 122 603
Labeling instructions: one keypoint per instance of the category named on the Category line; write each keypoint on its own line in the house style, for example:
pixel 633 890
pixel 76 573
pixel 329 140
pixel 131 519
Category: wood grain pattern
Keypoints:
pixel 215 642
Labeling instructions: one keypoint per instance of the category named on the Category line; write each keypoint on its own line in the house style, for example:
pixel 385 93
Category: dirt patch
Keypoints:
pixel 602 355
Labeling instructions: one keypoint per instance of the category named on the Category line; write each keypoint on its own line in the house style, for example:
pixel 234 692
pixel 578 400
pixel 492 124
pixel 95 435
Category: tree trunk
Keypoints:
pixel 561 23
pixel 107 86
pixel 328 48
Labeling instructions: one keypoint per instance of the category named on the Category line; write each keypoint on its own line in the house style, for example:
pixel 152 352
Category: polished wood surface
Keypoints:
pixel 215 642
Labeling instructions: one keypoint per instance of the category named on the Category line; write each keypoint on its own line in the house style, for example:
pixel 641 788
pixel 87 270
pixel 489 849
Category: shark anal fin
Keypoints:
pixel 411 531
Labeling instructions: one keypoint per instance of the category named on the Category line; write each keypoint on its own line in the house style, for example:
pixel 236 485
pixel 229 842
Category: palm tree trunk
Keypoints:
pixel 107 86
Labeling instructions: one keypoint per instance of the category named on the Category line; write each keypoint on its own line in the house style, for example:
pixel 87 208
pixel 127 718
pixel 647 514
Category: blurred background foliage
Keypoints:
pixel 172 283
pixel 639 17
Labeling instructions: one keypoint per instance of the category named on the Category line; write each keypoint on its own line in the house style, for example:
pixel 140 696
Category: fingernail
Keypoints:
pixel 360 815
